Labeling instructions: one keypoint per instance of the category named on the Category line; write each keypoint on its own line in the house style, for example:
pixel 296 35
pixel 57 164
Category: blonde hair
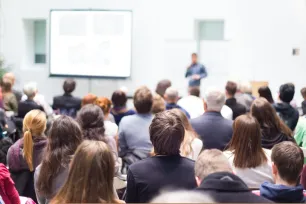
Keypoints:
pixel 34 124
pixel 159 104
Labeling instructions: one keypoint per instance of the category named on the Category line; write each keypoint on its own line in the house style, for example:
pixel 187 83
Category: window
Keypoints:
pixel 211 30
pixel 39 41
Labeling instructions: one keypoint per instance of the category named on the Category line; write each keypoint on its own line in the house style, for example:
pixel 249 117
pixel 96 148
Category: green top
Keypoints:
pixel 300 132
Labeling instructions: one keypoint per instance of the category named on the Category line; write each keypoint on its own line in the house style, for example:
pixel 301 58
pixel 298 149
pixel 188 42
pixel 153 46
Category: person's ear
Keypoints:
pixel 205 105
pixel 198 181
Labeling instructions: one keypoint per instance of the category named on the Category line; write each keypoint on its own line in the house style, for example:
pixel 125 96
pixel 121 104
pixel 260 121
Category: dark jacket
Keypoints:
pixel 288 114
pixel 225 187
pixel 18 94
pixel 214 130
pixel 26 106
pixel 237 108
pixel 281 193
pixel 268 140
pixel 170 106
pixel 67 104
pixel 148 177
pixel 119 115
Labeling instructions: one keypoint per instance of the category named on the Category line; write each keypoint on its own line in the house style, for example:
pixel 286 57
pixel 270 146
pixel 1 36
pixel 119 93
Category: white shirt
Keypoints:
pixel 253 177
pixel 196 145
pixel 111 129
pixel 227 112
pixel 193 105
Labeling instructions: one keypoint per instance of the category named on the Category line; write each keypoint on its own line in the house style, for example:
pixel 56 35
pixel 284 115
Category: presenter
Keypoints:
pixel 195 72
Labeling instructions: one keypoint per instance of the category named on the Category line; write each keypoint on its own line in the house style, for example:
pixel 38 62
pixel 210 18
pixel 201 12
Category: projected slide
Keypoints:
pixel 90 43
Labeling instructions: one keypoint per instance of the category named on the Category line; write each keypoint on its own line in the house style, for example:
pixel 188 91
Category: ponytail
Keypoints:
pixel 28 149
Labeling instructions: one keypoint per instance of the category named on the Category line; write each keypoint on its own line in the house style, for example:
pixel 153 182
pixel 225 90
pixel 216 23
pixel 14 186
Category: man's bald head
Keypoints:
pixel 9 76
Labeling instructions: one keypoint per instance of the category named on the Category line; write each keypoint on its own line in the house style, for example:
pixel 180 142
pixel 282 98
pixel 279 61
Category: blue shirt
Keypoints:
pixel 170 106
pixel 198 69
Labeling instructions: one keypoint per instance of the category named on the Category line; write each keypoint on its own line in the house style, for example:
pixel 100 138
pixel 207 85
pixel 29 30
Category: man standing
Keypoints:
pixel 195 71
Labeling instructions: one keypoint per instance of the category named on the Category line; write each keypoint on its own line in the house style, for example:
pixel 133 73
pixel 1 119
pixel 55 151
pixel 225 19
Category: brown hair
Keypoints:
pixel 162 87
pixel 143 100
pixel 266 115
pixel 265 92
pixel 64 138
pixel 167 133
pixel 159 104
pixel 119 98
pixel 303 92
pixel 6 85
pixel 231 88
pixel 105 104
pixel 194 91
pixel 69 86
pixel 89 99
pixel 289 160
pixel 246 143
pixel 90 178
pixel 190 134
pixel 34 124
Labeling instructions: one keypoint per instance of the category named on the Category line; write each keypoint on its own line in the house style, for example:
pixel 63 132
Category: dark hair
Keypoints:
pixel 90 118
pixel 266 115
pixel 69 86
pixel 265 92
pixel 286 92
pixel 303 92
pixel 167 133
pixel 119 98
pixel 194 54
pixel 64 138
pixel 231 88
pixel 89 99
pixel 162 87
pixel 289 160
pixel 6 85
pixel 143 100
pixel 90 178
pixel 194 91
pixel 105 104
pixel 246 143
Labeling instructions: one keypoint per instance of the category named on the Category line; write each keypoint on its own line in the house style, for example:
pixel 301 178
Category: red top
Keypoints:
pixel 8 191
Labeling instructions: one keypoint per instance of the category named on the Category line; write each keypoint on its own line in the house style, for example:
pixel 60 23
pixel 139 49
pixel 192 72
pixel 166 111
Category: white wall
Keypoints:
pixel 260 35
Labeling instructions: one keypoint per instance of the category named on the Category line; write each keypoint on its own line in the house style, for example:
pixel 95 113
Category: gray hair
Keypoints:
pixel 215 99
pixel 30 89
pixel 211 161
pixel 171 93
pixel 182 196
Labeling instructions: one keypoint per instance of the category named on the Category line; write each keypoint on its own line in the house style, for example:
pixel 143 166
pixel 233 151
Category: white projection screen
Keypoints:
pixel 90 43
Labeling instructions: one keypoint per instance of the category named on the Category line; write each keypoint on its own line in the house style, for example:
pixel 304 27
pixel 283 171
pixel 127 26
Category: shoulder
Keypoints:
pixel 142 165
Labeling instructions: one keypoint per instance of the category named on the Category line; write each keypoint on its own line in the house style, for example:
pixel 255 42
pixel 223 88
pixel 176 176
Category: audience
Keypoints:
pixel 5 144
pixel 214 130
pixel 90 178
pixel 111 129
pixel 303 92
pixel 67 104
pixel 245 154
pixel 283 108
pixel 162 87
pixel 231 101
pixel 273 129
pixel 243 95
pixel 134 129
pixel 90 119
pixel 182 196
pixel 8 192
pixel 159 104
pixel 288 160
pixel 191 145
pixel 300 132
pixel 119 109
pixel 215 178
pixel 11 77
pixel 265 92
pixel 171 96
pixel 64 137
pixel 167 169
pixel 89 99
pixel 9 99
pixel 29 104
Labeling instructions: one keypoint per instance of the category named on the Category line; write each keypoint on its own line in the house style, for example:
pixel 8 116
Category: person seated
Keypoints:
pixel 67 104
pixel 11 77
pixel 162 87
pixel 119 109
pixel 182 196
pixel 303 93
pixel 192 145
pixel 159 104
pixel 237 108
pixel 9 99
pixel 90 119
pixel 89 99
pixel 29 104
pixel 167 169
pixel 134 129
pixel 8 192
pixel 171 97
pixel 215 179
pixel 265 92
pixel 245 154
pixel 64 138
pixel 93 163
pixel 273 129
pixel 214 130
pixel 111 129
pixel 39 99
pixel 300 132
pixel 244 94
pixel 288 161
pixel 283 108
